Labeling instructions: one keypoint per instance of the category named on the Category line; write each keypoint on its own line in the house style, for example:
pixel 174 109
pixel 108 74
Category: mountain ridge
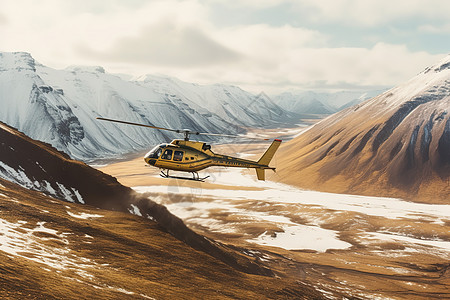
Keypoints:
pixel 395 144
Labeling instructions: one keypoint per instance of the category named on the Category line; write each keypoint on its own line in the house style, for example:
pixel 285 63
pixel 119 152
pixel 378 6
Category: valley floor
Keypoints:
pixel 343 245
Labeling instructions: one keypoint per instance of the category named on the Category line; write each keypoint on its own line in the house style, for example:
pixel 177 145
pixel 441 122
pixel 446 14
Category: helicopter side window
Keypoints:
pixel 167 154
pixel 178 156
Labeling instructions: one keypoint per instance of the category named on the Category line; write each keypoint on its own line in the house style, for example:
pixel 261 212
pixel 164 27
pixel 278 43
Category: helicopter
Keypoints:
pixel 193 156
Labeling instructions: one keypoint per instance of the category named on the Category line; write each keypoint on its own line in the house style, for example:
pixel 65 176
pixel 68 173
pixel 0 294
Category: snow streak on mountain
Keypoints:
pixel 60 106
pixel 396 144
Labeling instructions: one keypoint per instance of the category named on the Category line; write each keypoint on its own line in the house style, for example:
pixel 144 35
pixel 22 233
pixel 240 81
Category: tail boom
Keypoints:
pixel 260 166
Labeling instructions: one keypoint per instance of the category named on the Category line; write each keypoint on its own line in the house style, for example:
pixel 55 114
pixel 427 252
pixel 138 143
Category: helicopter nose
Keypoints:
pixel 150 161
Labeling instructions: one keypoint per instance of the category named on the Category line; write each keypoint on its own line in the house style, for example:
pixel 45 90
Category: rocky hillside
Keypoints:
pixel 396 144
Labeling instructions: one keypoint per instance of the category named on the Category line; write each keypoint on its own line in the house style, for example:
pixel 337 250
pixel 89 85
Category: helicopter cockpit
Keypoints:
pixel 155 152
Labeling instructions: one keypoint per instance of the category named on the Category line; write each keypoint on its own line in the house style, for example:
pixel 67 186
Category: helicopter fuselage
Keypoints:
pixel 193 156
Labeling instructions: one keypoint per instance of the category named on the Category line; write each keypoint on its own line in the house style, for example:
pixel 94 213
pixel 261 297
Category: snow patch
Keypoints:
pixel 77 194
pixel 20 177
pixel 37 163
pixel 302 237
pixel 135 210
pixel 390 236
pixel 83 215
pixel 66 193
pixel 49 188
pixel 16 176
pixel 274 192
pixel 23 242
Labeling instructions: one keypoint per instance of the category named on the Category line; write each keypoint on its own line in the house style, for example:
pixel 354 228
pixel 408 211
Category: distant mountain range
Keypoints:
pixel 60 107
pixel 321 103
pixel 395 144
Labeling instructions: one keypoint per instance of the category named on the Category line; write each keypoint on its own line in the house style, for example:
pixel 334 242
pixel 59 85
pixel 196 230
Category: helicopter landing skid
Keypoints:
pixel 195 176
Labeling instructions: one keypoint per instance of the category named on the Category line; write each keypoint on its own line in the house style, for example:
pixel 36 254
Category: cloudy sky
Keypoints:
pixel 260 45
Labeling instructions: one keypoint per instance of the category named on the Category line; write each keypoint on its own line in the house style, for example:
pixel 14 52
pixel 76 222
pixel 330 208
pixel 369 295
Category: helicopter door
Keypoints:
pixel 167 154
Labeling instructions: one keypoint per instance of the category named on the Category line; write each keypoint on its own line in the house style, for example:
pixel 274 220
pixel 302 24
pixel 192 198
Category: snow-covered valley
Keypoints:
pixel 385 237
pixel 303 215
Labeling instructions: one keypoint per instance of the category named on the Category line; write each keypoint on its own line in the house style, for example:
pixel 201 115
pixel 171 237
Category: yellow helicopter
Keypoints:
pixel 193 156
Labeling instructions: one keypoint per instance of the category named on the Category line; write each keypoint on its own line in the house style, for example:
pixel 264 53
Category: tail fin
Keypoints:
pixel 268 155
pixel 266 158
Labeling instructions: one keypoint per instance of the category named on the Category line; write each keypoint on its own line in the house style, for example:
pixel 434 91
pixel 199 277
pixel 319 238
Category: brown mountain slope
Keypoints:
pixel 38 166
pixel 51 249
pixel 396 144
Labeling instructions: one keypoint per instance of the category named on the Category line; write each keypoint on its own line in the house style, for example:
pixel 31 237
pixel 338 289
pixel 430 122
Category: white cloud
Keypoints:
pixel 54 29
pixel 313 68
pixel 167 44
pixel 383 64
pixel 179 38
pixel 266 46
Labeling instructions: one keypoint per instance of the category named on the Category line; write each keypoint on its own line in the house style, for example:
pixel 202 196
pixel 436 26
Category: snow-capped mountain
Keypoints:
pixel 396 144
pixel 230 103
pixel 309 102
pixel 60 107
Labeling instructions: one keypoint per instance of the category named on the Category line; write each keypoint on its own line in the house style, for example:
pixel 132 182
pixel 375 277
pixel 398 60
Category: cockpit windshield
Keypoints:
pixel 155 152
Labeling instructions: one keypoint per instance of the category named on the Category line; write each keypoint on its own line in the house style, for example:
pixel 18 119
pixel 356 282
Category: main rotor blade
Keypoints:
pixel 137 124
pixel 233 136
pixel 215 134
pixel 185 131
